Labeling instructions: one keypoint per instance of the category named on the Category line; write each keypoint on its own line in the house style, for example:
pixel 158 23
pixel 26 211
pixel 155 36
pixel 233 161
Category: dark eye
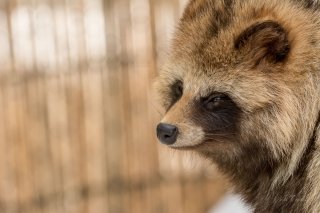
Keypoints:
pixel 177 91
pixel 215 101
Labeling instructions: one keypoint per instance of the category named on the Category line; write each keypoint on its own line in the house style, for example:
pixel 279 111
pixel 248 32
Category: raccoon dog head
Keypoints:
pixel 240 82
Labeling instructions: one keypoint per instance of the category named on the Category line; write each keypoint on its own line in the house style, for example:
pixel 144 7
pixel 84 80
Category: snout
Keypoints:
pixel 167 133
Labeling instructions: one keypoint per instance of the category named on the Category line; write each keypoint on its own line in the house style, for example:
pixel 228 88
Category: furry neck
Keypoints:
pixel 257 185
pixel 291 195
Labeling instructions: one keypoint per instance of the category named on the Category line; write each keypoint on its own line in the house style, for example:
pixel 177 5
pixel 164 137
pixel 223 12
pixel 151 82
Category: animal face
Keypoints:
pixel 239 80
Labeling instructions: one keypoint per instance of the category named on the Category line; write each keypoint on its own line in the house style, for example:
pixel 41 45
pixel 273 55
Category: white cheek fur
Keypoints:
pixel 189 135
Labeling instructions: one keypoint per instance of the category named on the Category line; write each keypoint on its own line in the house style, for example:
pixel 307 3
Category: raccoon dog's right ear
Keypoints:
pixel 266 40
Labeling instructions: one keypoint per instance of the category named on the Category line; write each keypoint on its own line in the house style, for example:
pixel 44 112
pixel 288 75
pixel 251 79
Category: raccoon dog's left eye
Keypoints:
pixel 215 101
pixel 177 91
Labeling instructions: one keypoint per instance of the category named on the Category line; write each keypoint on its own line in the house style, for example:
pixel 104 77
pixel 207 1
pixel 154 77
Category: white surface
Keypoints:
pixel 231 204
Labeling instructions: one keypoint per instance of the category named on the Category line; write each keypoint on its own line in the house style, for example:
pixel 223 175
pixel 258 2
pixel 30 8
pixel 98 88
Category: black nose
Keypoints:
pixel 167 133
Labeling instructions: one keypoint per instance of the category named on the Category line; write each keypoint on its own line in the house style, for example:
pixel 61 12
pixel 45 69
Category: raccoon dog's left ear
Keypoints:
pixel 266 40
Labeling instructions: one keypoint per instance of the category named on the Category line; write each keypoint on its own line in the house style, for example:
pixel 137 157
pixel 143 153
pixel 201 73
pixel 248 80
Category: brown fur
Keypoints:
pixel 264 55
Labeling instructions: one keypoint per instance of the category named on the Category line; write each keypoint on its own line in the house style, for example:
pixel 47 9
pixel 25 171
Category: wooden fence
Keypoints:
pixel 78 115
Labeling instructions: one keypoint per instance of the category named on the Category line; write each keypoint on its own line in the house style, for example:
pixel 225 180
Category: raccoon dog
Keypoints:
pixel 241 87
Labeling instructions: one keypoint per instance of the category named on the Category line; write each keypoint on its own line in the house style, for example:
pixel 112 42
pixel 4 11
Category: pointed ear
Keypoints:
pixel 266 40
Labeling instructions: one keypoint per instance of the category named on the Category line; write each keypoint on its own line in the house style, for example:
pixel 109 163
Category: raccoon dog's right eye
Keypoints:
pixel 216 101
pixel 177 91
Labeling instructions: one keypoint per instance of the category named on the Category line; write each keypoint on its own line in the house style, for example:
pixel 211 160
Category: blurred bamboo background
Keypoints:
pixel 78 115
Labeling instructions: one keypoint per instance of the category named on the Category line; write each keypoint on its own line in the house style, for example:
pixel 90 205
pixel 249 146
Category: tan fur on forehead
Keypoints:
pixel 196 8
pixel 218 58
pixel 220 47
